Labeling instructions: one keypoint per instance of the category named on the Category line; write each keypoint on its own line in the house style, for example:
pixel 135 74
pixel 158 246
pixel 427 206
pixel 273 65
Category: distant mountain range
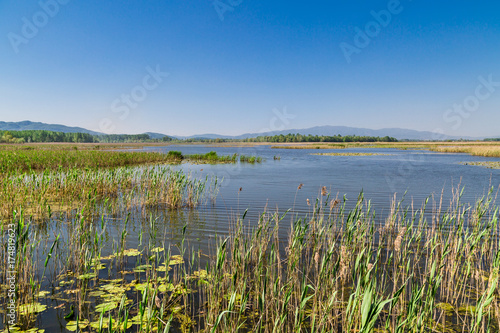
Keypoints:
pixel 398 133
pixel 30 125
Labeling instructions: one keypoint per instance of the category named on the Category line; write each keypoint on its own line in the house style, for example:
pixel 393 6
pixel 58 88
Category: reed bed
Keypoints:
pixel 251 159
pixel 33 160
pixel 477 150
pixel 17 161
pixel 339 270
pixel 40 194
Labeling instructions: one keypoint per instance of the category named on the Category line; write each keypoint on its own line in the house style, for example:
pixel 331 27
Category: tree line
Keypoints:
pixel 319 138
pixel 28 136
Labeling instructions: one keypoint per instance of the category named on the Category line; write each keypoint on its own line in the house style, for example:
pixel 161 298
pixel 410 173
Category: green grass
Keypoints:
pixel 250 159
pixel 211 157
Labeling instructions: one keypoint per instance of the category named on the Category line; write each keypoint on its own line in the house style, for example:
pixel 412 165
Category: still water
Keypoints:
pixel 274 182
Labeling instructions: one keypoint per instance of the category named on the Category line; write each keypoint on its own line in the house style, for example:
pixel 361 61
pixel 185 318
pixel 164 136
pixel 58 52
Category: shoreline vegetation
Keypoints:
pixel 350 154
pixel 38 159
pixel 48 139
pixel 338 271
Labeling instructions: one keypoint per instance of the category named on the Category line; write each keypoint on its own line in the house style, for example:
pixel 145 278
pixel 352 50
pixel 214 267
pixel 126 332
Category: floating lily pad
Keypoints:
pixel 43 293
pixel 142 286
pixel 114 289
pixel 113 281
pixel 72 325
pixel 111 256
pixel 87 276
pixel 26 309
pixel 73 291
pixel 142 268
pixel 105 323
pixel 163 268
pixel 176 260
pixel 201 274
pixel 15 329
pixel 131 253
pixel 166 287
pixel 157 250
pixel 103 307
pixel 96 293
pixel 65 283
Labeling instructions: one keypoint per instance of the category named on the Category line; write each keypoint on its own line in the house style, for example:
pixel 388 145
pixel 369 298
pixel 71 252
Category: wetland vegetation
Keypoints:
pixel 433 268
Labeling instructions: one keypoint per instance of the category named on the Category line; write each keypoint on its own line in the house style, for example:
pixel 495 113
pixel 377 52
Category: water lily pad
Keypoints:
pixel 131 253
pixel 142 268
pixel 157 250
pixel 176 260
pixel 105 323
pixel 103 307
pixel 65 283
pixel 15 329
pixel 96 293
pixel 166 287
pixel 142 286
pixel 111 256
pixel 163 268
pixel 43 293
pixel 72 325
pixel 113 281
pixel 26 309
pixel 73 291
pixel 87 276
pixel 99 266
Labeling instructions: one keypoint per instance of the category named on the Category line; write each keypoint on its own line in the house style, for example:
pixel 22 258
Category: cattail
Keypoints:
pixel 316 258
pixel 334 203
pixel 324 191
pixel 157 302
pixel 344 263
pixel 300 186
pixel 399 238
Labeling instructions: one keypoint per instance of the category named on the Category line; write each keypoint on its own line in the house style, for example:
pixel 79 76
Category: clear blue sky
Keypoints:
pixel 230 63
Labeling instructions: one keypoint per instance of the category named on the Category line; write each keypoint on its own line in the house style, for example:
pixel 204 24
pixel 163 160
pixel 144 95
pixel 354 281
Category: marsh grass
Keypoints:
pixel 486 164
pixel 251 159
pixel 39 194
pixel 212 157
pixel 476 150
pixel 339 270
pixel 351 154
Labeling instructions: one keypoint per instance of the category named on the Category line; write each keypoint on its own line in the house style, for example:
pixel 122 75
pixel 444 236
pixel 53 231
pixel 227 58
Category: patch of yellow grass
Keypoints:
pixel 475 150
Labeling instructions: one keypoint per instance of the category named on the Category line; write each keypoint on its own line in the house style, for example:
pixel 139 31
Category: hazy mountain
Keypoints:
pixel 398 133
pixel 29 125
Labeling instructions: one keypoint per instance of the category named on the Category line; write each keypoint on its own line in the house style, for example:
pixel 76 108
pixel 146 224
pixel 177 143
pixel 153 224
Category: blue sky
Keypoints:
pixel 229 66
